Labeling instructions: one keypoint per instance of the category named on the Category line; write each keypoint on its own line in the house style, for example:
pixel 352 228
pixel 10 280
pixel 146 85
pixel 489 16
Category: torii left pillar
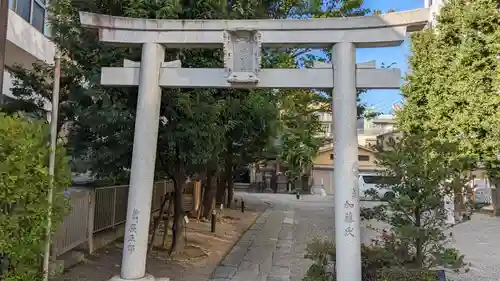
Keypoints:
pixel 147 119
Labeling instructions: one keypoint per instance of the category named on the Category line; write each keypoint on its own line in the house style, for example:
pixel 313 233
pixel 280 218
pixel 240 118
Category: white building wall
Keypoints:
pixel 7 84
pixel 25 46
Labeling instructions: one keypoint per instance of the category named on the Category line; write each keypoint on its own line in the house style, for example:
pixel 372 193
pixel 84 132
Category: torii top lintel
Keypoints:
pixel 369 31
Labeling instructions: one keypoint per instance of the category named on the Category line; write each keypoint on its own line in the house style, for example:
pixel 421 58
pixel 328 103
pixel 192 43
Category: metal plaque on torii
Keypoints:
pixel 242 56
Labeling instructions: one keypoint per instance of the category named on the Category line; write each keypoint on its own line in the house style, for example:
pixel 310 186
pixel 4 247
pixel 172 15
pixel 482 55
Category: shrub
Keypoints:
pixel 384 260
pixel 392 274
pixel 322 253
pixel 23 191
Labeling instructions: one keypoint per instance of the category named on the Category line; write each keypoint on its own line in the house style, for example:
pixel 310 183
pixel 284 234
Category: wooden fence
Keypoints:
pixel 98 209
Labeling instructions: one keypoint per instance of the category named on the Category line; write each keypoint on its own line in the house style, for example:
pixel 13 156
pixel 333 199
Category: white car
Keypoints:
pixel 370 181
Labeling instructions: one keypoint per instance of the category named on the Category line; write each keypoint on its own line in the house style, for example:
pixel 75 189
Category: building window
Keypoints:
pixel 33 11
pixel 363 158
pixel 38 18
pixel 331 156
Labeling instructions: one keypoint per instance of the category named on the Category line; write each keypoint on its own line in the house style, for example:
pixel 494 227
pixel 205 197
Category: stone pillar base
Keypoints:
pixel 148 277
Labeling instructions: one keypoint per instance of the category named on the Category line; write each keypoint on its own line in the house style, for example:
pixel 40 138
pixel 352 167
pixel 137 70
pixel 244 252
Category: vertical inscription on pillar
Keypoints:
pixel 348 218
pixel 132 231
pixel 355 190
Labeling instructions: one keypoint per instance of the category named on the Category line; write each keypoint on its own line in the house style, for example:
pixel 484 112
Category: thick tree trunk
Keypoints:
pixel 208 195
pixel 178 223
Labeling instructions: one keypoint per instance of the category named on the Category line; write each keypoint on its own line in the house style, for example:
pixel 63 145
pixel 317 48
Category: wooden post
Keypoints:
pixel 495 196
pixel 196 197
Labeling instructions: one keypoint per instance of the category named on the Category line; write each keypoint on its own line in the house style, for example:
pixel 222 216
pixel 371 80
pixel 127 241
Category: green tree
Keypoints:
pixel 24 181
pixel 454 84
pixel 421 174
pixel 300 138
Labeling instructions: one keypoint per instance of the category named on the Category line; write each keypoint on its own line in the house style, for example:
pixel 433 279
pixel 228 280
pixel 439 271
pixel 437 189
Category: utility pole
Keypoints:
pixel 4 14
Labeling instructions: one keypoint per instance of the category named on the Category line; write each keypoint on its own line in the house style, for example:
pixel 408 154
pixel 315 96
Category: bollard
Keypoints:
pixel 214 219
pixel 242 206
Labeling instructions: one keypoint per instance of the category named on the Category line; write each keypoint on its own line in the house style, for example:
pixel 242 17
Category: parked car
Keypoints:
pixel 379 183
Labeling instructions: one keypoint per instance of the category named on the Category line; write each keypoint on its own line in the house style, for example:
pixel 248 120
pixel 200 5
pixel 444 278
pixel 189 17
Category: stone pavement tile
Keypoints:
pixel 248 265
pixel 257 226
pixel 278 278
pixel 245 275
pixel 282 258
pixel 271 229
pixel 225 272
pixel 286 232
pixel 259 253
pixel 249 236
pixel 284 243
pixel 220 279
pixel 261 277
pixel 266 264
pixel 236 256
pixel 279 271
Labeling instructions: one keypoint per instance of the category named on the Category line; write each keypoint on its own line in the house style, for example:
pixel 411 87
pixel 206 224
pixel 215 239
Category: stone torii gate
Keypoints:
pixel 242 41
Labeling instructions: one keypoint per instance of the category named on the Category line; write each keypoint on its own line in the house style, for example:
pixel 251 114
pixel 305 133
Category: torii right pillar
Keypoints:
pixel 347 212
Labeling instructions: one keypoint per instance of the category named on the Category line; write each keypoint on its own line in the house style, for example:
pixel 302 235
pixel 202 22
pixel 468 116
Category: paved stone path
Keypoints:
pixel 263 251
pixel 270 249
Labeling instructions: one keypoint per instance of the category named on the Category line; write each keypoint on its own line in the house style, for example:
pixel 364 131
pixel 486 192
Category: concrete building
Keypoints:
pixel 26 38
pixel 373 127
pixel 368 128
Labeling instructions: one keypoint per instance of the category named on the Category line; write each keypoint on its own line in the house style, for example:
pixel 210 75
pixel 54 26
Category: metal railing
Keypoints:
pixel 95 210
pixel 74 228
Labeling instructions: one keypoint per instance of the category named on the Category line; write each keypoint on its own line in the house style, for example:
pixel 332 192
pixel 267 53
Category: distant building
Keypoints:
pixel 373 127
pixel 322 172
pixel 367 128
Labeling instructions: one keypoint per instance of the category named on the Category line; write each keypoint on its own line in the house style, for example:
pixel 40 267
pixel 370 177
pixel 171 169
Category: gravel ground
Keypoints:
pixel 478 239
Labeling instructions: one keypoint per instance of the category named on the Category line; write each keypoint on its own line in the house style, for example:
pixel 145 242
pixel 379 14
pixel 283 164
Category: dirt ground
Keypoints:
pixel 203 252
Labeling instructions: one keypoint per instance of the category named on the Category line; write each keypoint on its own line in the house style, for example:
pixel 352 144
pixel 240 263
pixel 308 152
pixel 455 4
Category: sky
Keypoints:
pixel 382 100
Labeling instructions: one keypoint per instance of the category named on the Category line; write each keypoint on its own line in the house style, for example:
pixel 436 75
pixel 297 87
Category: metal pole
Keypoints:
pixel 347 218
pixel 4 15
pixel 52 161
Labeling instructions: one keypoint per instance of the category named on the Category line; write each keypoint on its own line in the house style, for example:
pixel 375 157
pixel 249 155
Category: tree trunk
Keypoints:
pixel 221 189
pixel 495 196
pixel 208 195
pixel 229 177
pixel 196 198
pixel 178 224
pixel 157 222
pixel 167 220
pixel 274 179
pixel 418 240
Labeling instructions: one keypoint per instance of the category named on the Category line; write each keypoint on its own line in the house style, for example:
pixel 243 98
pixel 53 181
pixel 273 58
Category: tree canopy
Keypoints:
pixel 454 84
